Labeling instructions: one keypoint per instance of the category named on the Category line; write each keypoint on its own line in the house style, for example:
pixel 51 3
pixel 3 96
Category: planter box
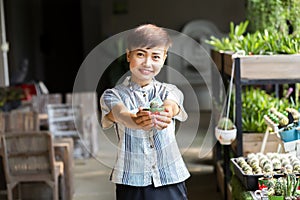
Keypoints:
pixel 252 143
pixel 259 67
pixel 217 58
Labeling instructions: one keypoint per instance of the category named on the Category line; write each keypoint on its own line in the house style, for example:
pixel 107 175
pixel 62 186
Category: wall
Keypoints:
pixel 97 21
pixel 100 22
pixel 172 14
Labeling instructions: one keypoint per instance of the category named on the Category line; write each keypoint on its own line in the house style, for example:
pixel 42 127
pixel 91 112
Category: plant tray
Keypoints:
pixel 250 182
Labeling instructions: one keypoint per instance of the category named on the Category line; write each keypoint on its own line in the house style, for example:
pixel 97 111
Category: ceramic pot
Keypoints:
pixel 225 137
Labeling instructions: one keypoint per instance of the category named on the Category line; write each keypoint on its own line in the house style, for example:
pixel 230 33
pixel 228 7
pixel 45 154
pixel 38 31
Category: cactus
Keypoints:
pixel 279 190
pixel 156 107
pixel 225 124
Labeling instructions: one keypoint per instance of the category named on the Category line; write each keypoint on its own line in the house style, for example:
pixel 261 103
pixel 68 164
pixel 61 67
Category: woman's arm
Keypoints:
pixel 140 120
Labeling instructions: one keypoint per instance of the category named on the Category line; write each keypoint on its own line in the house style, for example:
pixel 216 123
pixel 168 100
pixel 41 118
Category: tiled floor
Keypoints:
pixel 92 175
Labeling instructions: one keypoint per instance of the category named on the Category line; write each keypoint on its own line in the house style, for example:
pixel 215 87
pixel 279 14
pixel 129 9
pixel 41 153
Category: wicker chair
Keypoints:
pixel 29 157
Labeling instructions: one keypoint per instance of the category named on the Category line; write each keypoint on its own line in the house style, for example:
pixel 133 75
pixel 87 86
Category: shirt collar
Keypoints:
pixel 134 86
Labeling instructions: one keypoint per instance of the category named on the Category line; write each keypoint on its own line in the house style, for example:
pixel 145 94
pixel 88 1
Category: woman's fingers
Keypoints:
pixel 160 125
pixel 147 120
pixel 143 119
pixel 162 120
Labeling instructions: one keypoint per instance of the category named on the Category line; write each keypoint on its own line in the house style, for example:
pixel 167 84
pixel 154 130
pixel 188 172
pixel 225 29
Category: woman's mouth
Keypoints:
pixel 145 71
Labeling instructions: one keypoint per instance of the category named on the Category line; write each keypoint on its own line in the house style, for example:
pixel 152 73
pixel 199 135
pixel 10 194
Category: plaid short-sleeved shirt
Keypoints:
pixel 145 156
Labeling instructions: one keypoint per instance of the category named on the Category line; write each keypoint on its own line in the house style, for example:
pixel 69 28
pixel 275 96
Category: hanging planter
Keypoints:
pixel 225 132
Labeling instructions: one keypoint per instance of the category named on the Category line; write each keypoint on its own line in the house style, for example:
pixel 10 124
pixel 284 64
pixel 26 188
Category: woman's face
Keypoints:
pixel 145 63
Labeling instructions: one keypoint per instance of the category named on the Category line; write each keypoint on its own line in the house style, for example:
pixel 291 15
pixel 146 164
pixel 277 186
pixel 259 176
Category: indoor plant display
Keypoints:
pixel 259 101
pixel 271 27
pixel 264 42
pixel 282 15
pixel 10 98
pixel 225 131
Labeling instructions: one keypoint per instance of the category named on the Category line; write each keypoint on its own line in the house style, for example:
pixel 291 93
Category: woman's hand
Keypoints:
pixel 143 119
pixel 162 119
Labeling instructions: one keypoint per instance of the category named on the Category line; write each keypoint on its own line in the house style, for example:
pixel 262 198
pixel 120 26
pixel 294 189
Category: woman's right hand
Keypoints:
pixel 143 119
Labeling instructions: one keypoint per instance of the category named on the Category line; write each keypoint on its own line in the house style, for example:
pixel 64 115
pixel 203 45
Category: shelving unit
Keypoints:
pixel 259 70
pixel 252 70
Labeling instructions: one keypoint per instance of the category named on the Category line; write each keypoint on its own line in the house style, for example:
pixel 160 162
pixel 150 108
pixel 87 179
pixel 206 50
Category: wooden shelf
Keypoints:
pixel 265 67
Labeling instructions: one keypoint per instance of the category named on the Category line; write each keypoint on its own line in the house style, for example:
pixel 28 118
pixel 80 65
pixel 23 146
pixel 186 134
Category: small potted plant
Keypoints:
pixel 277 192
pixel 225 131
pixel 284 188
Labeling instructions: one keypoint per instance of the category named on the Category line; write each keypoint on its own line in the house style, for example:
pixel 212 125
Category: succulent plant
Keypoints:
pixel 225 124
pixel 156 106
pixel 278 188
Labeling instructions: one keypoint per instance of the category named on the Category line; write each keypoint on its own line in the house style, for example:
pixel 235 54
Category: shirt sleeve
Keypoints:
pixel 108 100
pixel 173 93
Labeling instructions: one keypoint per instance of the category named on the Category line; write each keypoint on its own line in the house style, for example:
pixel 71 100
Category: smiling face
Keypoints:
pixel 145 63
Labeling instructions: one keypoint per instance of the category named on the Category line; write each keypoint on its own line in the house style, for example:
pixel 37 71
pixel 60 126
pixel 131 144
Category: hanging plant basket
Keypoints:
pixel 225 137
pixel 226 131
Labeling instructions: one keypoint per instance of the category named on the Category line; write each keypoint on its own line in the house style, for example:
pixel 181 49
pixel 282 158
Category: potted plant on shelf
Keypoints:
pixel 225 131
pixel 285 188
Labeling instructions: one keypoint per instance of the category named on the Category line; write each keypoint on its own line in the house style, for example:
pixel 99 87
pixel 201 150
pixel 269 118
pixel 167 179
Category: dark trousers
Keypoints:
pixel 168 192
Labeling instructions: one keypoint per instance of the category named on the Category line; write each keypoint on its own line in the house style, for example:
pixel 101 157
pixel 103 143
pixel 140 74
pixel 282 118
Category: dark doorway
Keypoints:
pixel 61 43
pixel 45 39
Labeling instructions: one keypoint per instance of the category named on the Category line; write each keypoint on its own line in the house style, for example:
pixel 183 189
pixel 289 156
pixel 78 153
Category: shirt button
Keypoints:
pixel 151 146
pixel 153 166
pixel 144 95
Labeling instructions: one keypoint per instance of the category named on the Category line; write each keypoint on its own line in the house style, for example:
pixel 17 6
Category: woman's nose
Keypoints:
pixel 148 61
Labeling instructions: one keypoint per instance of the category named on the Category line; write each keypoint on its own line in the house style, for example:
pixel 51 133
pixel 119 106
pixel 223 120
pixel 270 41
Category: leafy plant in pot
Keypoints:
pixel 225 131
pixel 10 98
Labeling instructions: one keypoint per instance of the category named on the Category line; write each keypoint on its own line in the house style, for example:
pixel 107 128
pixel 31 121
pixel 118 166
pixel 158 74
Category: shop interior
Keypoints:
pixel 235 61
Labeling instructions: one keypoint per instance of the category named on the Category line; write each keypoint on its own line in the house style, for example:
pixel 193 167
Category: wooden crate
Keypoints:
pixel 265 66
pixel 252 143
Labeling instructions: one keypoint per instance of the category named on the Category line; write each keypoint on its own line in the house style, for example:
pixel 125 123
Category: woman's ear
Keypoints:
pixel 165 56
pixel 128 55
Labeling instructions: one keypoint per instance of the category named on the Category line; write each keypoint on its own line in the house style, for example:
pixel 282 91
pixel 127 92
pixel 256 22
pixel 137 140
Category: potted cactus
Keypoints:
pixel 225 131
pixel 284 188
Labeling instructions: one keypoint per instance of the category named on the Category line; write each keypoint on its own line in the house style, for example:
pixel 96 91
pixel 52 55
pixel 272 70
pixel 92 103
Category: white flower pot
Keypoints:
pixel 225 137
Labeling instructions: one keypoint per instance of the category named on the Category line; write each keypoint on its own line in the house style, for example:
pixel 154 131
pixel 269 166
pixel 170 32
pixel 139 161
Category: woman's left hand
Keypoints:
pixel 162 119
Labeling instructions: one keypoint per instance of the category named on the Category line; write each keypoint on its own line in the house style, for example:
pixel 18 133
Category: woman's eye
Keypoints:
pixel 140 54
pixel 156 57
